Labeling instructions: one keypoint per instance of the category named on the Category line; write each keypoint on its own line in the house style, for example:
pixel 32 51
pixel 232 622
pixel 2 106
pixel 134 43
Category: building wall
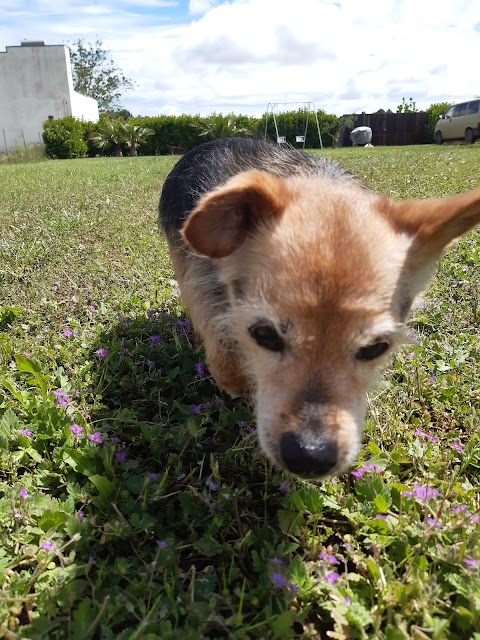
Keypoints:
pixel 35 85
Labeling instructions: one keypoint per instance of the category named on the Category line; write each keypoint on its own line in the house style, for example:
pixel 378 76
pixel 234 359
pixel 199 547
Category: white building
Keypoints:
pixel 36 85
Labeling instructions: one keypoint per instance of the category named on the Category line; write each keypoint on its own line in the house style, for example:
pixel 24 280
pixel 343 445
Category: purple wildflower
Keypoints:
pixel 102 352
pixel 150 363
pixel 279 581
pixel 121 456
pixel 197 407
pixel 127 320
pixel 183 325
pixel 67 333
pixel 155 339
pixel 212 485
pixel 284 486
pixel 126 351
pixel 96 438
pixel 347 601
pixel 80 515
pixel 431 379
pixel 162 544
pixel 152 476
pixel 200 369
pixel 76 429
pixel 412 335
pixel 456 445
pixel 92 308
pixel 26 432
pixel 472 562
pixel 48 545
pixel 380 516
pixel 409 356
pixel 459 509
pixel 276 561
pixel 433 522
pixel 328 557
pixel 422 434
pixel 331 578
pixel 23 493
pixel 422 492
pixel 61 397
pixel 150 313
pixel 368 466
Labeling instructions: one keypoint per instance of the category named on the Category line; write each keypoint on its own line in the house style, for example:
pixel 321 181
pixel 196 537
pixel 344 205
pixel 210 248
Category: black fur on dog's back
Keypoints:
pixel 211 164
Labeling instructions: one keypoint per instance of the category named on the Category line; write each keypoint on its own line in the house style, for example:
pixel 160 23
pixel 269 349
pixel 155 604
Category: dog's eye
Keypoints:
pixel 372 351
pixel 266 336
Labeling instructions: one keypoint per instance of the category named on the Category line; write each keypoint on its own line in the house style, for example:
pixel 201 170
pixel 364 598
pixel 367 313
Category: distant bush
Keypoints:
pixel 433 111
pixel 65 138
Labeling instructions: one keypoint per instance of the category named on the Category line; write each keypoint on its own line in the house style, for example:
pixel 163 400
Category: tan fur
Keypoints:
pixel 336 266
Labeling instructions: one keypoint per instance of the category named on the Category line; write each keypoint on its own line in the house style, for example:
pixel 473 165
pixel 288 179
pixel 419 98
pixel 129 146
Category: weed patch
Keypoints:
pixel 134 502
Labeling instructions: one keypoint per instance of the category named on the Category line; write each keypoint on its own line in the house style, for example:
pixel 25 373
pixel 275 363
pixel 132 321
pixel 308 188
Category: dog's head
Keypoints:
pixel 321 276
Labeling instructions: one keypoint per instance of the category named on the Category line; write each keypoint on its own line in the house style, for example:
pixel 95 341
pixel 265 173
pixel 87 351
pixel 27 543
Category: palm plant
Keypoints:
pixel 109 133
pixel 134 136
pixel 219 126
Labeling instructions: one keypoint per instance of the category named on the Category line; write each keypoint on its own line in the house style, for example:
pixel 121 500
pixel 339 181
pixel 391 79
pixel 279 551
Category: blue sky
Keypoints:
pixel 200 56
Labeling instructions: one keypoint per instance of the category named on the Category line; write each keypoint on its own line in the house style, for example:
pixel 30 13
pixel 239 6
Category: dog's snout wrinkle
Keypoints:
pixel 308 456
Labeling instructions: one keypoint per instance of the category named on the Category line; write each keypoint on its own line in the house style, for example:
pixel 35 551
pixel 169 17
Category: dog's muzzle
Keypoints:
pixel 308 456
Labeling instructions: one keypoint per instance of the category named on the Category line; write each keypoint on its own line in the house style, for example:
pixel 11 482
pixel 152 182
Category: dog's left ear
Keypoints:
pixel 434 223
pixel 223 218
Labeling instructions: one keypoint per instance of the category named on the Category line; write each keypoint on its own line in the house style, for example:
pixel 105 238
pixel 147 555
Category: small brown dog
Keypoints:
pixel 298 279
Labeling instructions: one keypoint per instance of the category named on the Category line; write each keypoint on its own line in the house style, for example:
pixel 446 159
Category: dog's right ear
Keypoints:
pixel 223 218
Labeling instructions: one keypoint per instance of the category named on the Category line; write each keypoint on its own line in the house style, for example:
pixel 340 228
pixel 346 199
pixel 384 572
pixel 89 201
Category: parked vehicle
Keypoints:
pixel 460 122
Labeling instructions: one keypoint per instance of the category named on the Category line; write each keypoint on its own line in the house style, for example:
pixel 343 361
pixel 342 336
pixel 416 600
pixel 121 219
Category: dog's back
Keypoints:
pixel 212 164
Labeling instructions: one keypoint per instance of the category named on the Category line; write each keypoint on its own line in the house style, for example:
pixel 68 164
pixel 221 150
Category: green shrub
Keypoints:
pixel 433 111
pixel 65 138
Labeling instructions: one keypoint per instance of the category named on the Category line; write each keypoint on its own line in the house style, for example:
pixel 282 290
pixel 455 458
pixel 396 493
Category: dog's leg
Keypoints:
pixel 225 366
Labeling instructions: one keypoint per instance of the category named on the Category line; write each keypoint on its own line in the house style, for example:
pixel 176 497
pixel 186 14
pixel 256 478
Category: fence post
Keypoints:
pixel 5 139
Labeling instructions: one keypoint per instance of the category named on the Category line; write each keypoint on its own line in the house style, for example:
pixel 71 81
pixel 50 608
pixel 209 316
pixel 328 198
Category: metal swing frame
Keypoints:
pixel 275 110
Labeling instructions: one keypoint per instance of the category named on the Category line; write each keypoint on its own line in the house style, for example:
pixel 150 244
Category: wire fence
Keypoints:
pixel 11 139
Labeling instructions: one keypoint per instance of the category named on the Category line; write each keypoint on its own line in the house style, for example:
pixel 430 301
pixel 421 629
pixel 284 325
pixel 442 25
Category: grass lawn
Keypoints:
pixel 134 502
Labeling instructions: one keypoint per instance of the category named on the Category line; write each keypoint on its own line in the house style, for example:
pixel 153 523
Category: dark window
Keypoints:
pixel 473 107
pixel 460 109
pixel 50 117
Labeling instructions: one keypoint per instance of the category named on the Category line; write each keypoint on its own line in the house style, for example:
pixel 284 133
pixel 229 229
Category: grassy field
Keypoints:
pixel 134 503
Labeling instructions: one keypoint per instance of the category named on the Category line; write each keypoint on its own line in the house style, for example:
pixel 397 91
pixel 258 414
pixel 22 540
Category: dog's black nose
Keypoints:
pixel 308 456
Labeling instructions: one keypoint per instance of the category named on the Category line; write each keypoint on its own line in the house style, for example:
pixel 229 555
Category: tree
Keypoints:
pixel 407 107
pixel 95 75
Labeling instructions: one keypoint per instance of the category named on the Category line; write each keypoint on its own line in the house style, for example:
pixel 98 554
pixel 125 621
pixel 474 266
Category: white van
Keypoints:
pixel 460 122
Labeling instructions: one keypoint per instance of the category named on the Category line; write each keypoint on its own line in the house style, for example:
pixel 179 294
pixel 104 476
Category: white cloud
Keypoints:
pixel 200 6
pixel 239 55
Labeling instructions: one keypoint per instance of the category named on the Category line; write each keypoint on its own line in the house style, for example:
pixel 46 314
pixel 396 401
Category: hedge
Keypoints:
pixel 68 137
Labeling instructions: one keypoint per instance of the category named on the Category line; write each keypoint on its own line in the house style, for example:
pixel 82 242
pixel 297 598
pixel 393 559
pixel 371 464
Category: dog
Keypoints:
pixel 298 280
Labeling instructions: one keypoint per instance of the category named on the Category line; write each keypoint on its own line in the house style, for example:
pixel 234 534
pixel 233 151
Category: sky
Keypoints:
pixel 237 56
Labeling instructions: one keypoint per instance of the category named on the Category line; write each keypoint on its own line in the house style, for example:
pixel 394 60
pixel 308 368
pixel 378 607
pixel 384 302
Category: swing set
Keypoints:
pixel 303 111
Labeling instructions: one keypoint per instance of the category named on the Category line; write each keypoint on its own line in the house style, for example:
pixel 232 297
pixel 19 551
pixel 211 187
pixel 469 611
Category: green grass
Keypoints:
pixel 157 516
